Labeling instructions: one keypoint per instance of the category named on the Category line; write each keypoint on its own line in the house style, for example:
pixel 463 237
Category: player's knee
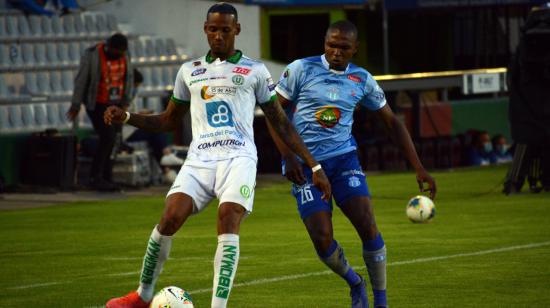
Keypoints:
pixel 175 214
pixel 229 218
pixel 170 224
pixel 322 239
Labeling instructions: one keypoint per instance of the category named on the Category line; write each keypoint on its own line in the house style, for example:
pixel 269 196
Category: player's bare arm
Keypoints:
pixel 163 122
pixel 400 136
pixel 286 133
pixel 293 168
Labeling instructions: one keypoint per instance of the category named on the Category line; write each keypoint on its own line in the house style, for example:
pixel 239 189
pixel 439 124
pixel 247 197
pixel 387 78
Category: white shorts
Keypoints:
pixel 229 180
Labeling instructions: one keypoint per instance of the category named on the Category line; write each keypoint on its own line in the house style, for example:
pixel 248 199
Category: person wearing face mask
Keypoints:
pixel 501 149
pixel 481 152
pixel 104 78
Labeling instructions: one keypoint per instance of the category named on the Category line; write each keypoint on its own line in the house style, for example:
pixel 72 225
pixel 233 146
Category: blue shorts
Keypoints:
pixel 346 178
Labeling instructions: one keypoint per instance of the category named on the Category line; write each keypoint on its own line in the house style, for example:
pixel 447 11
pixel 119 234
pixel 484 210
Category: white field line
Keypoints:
pixel 299 276
pixel 419 260
pixel 37 285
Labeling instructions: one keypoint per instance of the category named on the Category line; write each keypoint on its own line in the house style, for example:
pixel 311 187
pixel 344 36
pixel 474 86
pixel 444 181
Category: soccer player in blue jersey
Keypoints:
pixel 320 94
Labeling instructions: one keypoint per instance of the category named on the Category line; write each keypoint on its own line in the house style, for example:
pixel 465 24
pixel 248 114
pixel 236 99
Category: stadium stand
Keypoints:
pixel 39 57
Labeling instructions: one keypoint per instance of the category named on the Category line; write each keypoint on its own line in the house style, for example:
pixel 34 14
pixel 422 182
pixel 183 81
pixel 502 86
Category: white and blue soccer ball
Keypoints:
pixel 172 297
pixel 420 209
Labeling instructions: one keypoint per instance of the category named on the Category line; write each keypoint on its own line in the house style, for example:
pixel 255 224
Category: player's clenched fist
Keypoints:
pixel 114 115
pixel 320 180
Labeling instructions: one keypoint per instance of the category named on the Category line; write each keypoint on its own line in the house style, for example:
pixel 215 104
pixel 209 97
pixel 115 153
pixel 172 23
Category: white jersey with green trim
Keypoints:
pixel 223 95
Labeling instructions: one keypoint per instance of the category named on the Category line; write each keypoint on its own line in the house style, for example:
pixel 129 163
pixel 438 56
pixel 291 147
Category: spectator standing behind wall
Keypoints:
pixel 105 78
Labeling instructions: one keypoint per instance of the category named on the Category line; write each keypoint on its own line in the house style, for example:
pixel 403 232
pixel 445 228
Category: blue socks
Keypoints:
pixel 334 258
pixel 374 255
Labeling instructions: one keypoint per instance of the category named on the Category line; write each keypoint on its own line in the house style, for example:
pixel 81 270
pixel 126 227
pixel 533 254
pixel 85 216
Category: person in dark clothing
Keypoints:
pixel 105 78
pixel 529 109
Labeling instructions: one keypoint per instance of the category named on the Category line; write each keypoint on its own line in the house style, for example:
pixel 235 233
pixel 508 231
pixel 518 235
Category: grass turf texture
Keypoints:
pixel 80 255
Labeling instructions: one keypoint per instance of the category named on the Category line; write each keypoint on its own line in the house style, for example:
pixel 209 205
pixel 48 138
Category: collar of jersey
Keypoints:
pixel 327 66
pixel 233 59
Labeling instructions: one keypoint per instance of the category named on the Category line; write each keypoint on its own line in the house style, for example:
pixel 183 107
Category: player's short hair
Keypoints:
pixel 223 8
pixel 343 26
pixel 118 41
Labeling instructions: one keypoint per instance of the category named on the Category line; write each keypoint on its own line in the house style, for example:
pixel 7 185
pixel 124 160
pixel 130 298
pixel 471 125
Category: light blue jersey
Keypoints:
pixel 323 101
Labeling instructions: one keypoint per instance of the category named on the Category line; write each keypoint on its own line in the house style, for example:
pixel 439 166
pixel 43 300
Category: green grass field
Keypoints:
pixel 482 249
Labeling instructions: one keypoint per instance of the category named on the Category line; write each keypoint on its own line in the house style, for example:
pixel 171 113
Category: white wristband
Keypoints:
pixel 127 117
pixel 316 168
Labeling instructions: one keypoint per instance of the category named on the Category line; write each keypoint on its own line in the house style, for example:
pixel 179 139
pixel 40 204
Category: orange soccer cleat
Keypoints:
pixel 130 300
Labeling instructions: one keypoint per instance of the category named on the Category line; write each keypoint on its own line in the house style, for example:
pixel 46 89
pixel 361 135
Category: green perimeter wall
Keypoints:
pixel 482 114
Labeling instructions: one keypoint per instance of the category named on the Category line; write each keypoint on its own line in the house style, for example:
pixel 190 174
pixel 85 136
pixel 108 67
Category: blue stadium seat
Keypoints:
pixel 27 53
pixel 10 56
pixel 63 54
pixel 44 84
pixel 40 116
pixel 5 125
pixel 74 52
pixel 15 118
pixel 46 25
pixel 156 78
pixel 40 54
pixel 23 25
pixel 35 26
pixel 67 81
pixel 90 25
pixel 154 104
pixel 12 30
pixel 31 85
pixel 167 80
pixel 101 24
pixel 56 86
pixel 53 114
pixel 27 117
pixel 112 23
pixel 51 53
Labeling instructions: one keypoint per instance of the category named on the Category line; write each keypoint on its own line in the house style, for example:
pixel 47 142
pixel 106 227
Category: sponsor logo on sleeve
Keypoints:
pixel 286 73
pixel 378 94
pixel 241 70
pixel 270 85
pixel 354 78
pixel 198 71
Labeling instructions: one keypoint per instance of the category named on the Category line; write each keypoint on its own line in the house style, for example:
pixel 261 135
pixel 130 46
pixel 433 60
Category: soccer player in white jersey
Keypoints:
pixel 220 90
pixel 320 94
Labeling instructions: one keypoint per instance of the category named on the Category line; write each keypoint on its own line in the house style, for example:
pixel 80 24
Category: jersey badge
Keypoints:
pixel 237 80
pixel 333 93
pixel 353 181
pixel 196 63
pixel 328 116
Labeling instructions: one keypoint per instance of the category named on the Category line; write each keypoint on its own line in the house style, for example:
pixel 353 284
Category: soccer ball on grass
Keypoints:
pixel 172 297
pixel 420 209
